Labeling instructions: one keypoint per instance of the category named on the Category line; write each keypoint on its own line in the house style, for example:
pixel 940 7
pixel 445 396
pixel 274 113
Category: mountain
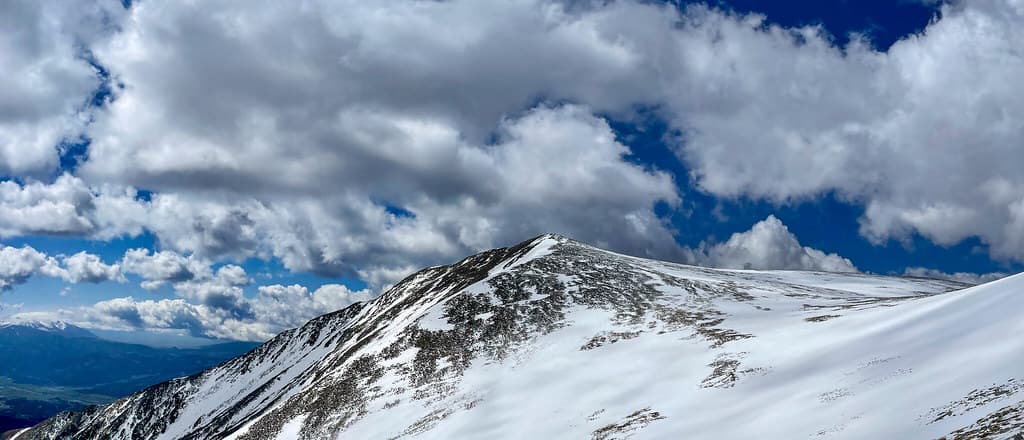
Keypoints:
pixel 48 367
pixel 52 327
pixel 556 339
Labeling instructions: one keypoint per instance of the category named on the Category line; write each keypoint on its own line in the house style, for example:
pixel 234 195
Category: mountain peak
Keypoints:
pixel 58 327
pixel 551 338
pixel 556 238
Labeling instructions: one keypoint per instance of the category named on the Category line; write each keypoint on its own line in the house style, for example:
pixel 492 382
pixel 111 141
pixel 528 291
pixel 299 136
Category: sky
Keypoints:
pixel 232 169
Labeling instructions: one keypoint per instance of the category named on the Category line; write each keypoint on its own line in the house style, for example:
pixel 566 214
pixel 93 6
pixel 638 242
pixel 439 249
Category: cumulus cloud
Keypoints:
pixel 57 208
pixel 48 77
pixel 157 268
pixel 926 135
pixel 768 245
pixel 307 175
pixel 68 206
pixel 18 264
pixel 290 306
pixel 546 170
pixel 222 291
pixel 274 309
pixel 963 277
pixel 211 302
pixel 88 268
pixel 192 278
pixel 483 124
pixel 766 112
pixel 368 103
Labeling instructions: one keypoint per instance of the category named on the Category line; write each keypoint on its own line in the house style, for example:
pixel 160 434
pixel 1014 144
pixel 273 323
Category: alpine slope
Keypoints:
pixel 555 339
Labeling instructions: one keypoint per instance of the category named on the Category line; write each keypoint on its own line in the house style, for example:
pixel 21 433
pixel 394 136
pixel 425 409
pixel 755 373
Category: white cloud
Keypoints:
pixel 274 309
pixel 212 302
pixel 68 206
pixel 546 170
pixel 157 268
pixel 221 291
pixel 769 245
pixel 18 264
pixel 261 146
pixel 368 102
pixel 233 275
pixel 290 306
pixel 47 78
pixel 926 136
pixel 88 268
pixel 303 175
pixel 191 278
pixel 766 112
pixel 58 208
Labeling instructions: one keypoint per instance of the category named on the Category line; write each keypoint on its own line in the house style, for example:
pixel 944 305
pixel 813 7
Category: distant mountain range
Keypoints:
pixel 554 339
pixel 48 367
pixel 52 327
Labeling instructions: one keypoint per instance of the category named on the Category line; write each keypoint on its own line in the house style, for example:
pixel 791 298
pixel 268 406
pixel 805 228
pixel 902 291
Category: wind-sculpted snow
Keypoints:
pixel 556 339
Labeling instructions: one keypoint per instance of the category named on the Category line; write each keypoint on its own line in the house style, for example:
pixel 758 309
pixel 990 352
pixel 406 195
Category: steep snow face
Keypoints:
pixel 555 339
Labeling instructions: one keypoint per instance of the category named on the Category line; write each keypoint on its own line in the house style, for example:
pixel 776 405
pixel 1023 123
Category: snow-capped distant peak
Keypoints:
pixel 41 325
pixel 54 326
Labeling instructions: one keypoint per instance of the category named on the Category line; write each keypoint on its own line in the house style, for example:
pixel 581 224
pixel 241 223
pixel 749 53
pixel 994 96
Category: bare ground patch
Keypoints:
pixel 636 421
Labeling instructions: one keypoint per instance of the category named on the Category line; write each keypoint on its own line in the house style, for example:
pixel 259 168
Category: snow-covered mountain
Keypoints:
pixel 556 339
pixel 54 327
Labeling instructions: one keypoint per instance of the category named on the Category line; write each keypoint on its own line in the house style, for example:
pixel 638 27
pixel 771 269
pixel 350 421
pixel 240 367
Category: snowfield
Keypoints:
pixel 556 339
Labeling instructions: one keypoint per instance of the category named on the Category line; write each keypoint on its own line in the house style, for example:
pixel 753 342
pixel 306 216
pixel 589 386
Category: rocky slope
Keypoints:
pixel 556 339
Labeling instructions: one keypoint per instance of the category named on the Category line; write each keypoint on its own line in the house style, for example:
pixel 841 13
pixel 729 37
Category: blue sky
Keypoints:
pixel 825 222
pixel 268 180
